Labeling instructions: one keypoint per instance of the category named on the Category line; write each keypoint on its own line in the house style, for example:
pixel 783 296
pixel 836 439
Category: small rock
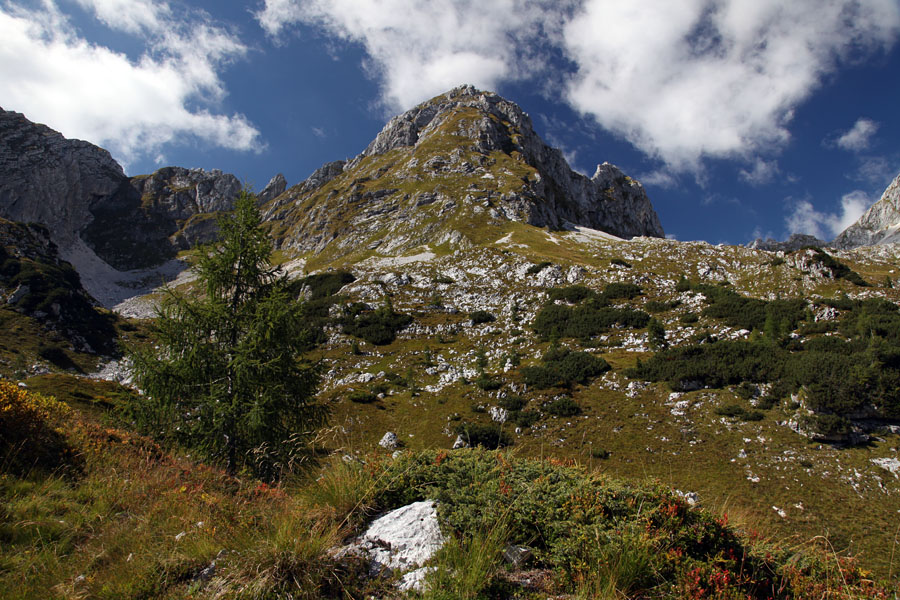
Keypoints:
pixel 517 556
pixel 460 443
pixel 389 441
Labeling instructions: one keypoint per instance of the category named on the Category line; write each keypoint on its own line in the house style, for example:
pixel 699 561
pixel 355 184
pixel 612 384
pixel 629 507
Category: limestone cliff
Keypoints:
pixel 878 225
pixel 87 202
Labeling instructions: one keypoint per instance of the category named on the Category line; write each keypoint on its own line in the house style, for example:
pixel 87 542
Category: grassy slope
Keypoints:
pixel 134 521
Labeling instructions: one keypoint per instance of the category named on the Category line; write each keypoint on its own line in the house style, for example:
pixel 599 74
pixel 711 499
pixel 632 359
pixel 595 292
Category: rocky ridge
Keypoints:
pixel 878 225
pixel 463 156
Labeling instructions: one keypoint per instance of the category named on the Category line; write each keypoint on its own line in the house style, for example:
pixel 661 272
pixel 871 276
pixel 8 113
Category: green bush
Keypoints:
pixel 488 383
pixel 512 402
pixel 323 285
pixel 524 418
pixel 620 262
pixel 656 306
pixel 571 294
pixel 535 269
pixel 378 327
pixel 584 321
pixel 562 407
pixel 362 397
pixel 481 316
pixel 618 290
pixel 563 368
pixel 489 435
pixel 683 285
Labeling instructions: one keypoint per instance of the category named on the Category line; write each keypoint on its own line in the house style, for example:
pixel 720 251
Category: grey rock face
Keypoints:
pixel 878 225
pixel 48 179
pixel 81 194
pixel 792 244
pixel 273 189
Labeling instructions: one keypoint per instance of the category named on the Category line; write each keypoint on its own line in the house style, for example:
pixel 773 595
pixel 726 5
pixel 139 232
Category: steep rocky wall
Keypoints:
pixel 878 225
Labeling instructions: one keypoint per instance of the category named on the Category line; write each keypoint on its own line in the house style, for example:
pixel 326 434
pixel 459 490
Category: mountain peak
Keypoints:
pixel 455 162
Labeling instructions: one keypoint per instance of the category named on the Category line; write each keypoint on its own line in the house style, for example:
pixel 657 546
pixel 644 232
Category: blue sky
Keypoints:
pixel 742 119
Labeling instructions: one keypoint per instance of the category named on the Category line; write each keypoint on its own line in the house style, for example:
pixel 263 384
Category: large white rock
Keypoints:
pixel 404 538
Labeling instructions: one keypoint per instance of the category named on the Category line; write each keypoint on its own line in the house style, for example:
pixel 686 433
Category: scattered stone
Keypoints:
pixel 389 441
pixel 892 465
pixel 460 443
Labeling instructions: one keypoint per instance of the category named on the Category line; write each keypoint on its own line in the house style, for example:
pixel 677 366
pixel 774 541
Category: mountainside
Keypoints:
pixel 878 225
pixel 463 287
pixel 91 207
pixel 466 156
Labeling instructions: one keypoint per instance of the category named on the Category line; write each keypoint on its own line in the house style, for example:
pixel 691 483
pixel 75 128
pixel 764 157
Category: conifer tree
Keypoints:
pixel 226 377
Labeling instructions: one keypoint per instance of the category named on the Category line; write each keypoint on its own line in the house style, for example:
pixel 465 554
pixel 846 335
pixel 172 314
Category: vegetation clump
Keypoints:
pixel 481 316
pixel 562 367
pixel 487 435
pixel 30 431
pixel 378 327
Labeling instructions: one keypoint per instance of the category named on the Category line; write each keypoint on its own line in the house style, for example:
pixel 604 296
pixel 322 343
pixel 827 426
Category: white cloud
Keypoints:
pixel 688 79
pixel 659 178
pixel 859 136
pixel 421 49
pixel 826 226
pixel 680 79
pixel 762 172
pixel 132 107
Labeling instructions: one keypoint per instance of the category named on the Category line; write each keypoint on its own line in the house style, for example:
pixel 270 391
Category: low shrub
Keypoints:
pixel 585 320
pixel 489 435
pixel 563 368
pixel 378 327
pixel 362 397
pixel 562 407
pixel 571 294
pixel 488 383
pixel 512 402
pixel 524 418
pixel 624 291
pixel 481 316
pixel 31 431
pixel 537 268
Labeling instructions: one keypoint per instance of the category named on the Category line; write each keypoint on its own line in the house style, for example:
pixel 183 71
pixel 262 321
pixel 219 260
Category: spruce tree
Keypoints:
pixel 226 377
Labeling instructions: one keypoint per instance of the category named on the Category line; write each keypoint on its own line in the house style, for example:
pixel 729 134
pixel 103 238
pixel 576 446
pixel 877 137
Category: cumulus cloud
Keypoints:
pixel 132 107
pixel 687 79
pixel 421 49
pixel 806 219
pixel 761 173
pixel 859 136
pixel 680 79
pixel 659 178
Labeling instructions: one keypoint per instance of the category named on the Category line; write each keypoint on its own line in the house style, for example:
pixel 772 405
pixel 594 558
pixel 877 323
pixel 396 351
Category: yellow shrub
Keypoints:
pixel 29 434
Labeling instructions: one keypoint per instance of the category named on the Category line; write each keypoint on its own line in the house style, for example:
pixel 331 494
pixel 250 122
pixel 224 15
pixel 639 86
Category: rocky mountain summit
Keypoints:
pixel 878 225
pixel 431 169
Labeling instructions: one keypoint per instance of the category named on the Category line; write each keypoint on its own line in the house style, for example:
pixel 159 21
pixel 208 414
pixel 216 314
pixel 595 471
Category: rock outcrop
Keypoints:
pixel 466 156
pixel 878 225
pixel 86 201
pixel 796 241
pixel 35 282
